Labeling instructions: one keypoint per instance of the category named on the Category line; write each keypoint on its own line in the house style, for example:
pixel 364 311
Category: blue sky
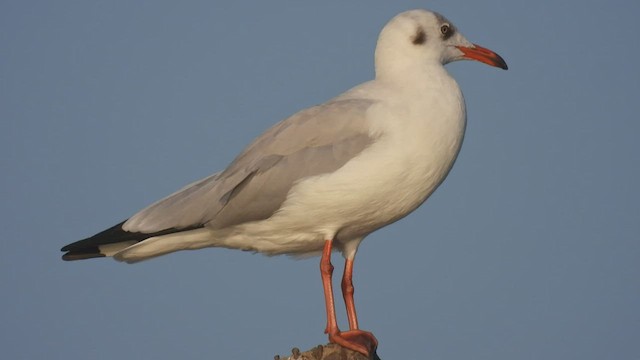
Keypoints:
pixel 529 250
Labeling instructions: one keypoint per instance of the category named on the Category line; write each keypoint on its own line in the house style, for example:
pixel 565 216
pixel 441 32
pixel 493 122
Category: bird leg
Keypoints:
pixel 355 339
pixel 347 294
pixel 326 271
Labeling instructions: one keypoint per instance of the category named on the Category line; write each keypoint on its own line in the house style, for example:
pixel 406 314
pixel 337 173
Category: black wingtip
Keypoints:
pixel 89 248
pixel 82 254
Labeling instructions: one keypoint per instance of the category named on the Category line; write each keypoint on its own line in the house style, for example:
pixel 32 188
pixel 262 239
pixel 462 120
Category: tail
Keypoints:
pixel 134 246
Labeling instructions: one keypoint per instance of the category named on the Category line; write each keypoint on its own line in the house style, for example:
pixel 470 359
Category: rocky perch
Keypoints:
pixel 328 352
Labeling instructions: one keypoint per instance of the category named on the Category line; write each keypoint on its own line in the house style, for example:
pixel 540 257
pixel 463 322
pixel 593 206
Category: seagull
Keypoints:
pixel 329 175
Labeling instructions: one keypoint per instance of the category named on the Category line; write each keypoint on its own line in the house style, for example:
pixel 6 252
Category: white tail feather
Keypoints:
pixel 112 249
pixel 161 245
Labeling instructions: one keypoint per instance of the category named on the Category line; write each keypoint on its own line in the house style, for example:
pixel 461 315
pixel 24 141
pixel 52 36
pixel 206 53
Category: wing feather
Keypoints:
pixel 314 141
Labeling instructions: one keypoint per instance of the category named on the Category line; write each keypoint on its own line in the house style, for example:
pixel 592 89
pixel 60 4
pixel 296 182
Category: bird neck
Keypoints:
pixel 418 76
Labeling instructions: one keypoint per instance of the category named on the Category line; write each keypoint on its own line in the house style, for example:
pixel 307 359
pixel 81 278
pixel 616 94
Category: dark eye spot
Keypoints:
pixel 446 31
pixel 420 37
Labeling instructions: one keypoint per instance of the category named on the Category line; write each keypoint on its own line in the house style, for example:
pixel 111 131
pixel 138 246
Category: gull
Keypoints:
pixel 326 177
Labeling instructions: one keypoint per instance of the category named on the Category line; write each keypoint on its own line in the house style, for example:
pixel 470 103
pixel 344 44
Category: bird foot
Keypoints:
pixel 357 340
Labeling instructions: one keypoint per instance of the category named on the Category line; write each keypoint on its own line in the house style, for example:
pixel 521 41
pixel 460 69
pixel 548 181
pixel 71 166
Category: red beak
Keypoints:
pixel 483 55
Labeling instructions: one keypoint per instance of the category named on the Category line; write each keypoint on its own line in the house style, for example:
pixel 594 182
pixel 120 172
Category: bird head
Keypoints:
pixel 417 37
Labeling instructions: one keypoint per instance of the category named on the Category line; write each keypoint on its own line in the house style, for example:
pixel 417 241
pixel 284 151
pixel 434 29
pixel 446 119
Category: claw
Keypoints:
pixel 357 340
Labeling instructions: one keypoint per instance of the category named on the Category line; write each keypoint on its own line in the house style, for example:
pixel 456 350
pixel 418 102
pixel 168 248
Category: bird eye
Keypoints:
pixel 444 29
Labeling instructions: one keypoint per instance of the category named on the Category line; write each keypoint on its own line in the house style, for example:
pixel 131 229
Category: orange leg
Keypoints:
pixel 361 341
pixel 347 294
pixel 326 271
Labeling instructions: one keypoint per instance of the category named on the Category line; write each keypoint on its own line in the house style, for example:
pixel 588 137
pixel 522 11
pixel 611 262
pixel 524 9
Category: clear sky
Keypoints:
pixel 529 250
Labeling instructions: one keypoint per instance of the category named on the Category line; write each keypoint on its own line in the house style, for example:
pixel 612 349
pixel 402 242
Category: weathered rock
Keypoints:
pixel 331 352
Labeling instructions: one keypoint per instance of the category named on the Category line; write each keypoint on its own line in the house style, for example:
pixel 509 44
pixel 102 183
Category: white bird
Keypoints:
pixel 327 176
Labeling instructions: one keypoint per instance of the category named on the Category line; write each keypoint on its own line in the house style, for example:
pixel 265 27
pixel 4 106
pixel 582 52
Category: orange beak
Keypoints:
pixel 483 55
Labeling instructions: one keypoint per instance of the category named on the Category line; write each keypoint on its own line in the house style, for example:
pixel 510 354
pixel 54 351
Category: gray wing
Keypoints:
pixel 314 141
